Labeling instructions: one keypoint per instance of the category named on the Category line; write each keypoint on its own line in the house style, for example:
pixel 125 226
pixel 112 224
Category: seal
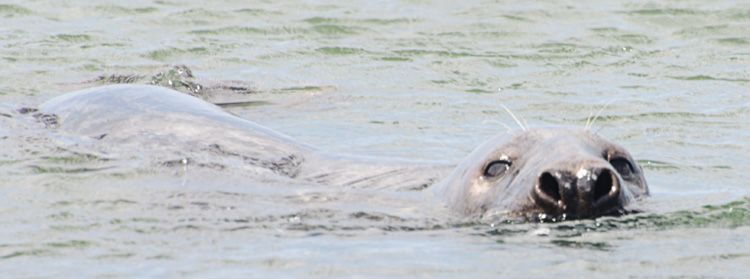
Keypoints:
pixel 547 174
pixel 558 173
pixel 147 120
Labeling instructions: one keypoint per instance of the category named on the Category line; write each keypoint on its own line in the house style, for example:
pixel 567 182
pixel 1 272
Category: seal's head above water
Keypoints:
pixel 546 173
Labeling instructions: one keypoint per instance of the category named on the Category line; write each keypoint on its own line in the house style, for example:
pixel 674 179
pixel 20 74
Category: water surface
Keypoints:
pixel 402 79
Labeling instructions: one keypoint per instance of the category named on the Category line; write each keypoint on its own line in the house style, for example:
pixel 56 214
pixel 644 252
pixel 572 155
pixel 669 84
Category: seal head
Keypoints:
pixel 545 173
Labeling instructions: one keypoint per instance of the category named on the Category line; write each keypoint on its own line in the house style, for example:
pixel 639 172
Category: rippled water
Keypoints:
pixel 405 79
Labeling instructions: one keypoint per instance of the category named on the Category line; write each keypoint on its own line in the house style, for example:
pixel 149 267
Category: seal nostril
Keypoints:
pixel 604 185
pixel 549 186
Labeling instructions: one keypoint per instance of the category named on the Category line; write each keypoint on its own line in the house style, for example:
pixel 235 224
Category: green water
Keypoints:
pixel 407 79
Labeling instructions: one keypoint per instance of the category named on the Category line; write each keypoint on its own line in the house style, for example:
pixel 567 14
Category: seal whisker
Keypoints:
pixel 599 113
pixel 514 117
pixel 508 128
pixel 588 120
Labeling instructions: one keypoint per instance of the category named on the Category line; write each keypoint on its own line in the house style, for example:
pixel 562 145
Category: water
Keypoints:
pixel 403 79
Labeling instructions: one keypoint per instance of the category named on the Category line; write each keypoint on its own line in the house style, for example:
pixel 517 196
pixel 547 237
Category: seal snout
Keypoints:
pixel 589 192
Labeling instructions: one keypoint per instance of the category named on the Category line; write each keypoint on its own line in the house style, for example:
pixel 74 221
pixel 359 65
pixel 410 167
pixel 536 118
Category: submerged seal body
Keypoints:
pixel 562 172
pixel 161 122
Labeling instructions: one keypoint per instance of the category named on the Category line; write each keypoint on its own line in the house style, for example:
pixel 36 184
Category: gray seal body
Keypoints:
pixel 563 173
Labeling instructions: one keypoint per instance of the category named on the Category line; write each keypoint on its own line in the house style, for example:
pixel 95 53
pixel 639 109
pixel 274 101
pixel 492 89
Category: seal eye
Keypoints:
pixel 623 166
pixel 496 168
